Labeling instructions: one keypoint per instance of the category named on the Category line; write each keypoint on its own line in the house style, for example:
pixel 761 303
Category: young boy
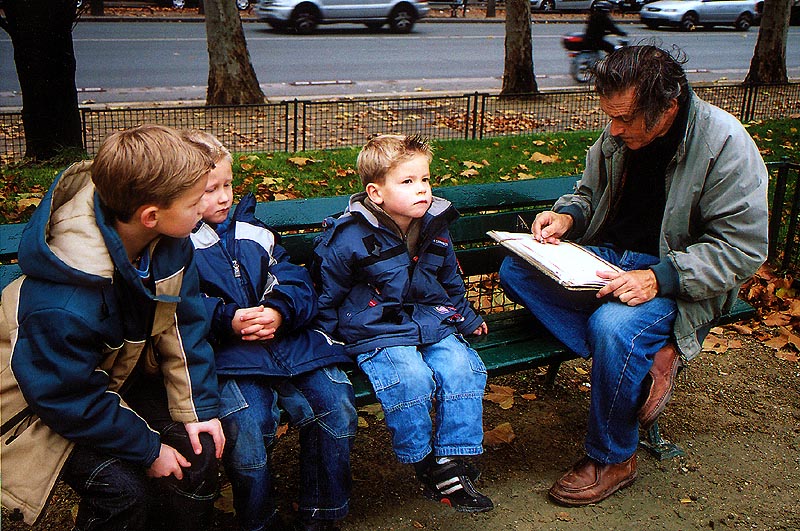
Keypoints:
pixel 261 305
pixel 391 290
pixel 107 377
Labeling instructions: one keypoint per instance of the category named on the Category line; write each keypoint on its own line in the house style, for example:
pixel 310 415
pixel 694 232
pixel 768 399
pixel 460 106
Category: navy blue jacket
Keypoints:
pixel 374 294
pixel 242 265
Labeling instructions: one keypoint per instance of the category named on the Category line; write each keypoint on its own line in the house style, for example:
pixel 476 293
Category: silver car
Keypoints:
pixel 690 14
pixel 303 16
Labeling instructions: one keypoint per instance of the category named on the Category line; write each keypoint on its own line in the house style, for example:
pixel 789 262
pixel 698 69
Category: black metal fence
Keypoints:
pixel 784 222
pixel 303 125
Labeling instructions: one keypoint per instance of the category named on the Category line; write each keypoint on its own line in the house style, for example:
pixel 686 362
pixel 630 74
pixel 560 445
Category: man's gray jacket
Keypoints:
pixel 714 230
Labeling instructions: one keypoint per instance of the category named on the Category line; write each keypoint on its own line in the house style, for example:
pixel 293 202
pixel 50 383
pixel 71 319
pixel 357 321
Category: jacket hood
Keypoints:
pixel 68 239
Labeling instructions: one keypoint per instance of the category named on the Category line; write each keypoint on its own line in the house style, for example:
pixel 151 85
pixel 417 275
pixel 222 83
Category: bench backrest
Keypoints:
pixel 483 207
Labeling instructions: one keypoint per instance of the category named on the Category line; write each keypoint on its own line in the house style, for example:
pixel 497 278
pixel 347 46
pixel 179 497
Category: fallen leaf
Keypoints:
pixel 300 161
pixel 742 329
pixel 777 342
pixel 470 172
pixel 715 343
pixel 542 158
pixel 224 501
pixel 686 500
pixel 281 431
pixel 503 433
pixel 563 516
pixel 529 396
pixel 504 396
pixel 581 370
pixel 363 423
pixel 777 319
pixel 472 164
pixel 786 356
pixel 418 525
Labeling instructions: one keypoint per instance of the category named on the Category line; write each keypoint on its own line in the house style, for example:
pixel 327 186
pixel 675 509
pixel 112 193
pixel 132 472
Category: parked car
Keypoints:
pixel 690 14
pixel 303 16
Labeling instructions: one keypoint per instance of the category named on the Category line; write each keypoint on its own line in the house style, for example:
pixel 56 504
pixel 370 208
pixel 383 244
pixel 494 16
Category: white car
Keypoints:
pixel 690 14
pixel 303 16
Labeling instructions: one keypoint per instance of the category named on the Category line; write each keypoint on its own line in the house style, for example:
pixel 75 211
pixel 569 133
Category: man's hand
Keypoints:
pixel 213 428
pixel 549 226
pixel 630 287
pixel 168 463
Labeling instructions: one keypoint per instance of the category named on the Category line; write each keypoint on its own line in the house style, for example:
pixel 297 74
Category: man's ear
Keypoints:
pixel 374 193
pixel 148 216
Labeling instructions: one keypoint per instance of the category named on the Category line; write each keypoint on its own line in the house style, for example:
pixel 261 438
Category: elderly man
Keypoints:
pixel 675 193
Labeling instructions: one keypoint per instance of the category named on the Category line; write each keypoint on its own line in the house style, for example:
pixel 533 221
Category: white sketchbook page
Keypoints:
pixel 573 265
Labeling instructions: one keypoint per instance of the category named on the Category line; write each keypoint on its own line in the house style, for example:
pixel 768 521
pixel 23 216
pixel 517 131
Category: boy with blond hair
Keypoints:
pixel 390 289
pixel 107 378
pixel 261 306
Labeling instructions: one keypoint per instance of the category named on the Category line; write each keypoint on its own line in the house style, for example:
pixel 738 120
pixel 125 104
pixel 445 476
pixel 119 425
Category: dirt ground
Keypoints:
pixel 736 415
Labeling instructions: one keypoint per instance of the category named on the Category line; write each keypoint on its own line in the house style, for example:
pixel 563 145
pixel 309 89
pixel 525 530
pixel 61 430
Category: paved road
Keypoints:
pixel 168 61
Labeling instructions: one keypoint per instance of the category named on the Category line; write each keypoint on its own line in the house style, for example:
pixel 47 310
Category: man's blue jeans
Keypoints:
pixel 621 339
pixel 321 404
pixel 410 380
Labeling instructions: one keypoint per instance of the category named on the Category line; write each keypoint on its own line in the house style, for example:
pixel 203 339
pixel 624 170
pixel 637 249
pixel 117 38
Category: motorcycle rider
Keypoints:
pixel 598 26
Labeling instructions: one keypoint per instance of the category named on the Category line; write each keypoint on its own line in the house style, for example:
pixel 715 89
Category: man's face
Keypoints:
pixel 629 125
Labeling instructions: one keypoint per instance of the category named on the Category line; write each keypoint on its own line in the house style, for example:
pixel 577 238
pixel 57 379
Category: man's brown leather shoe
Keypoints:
pixel 666 364
pixel 590 482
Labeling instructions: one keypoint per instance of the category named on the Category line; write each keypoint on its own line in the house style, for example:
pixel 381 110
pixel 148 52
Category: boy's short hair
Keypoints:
pixel 146 165
pixel 382 153
pixel 208 143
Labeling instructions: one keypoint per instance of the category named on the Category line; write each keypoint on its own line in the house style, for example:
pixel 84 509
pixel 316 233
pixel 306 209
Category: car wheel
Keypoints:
pixel 402 19
pixel 689 22
pixel 304 20
pixel 178 4
pixel 744 22
pixel 374 26
pixel 548 5
pixel 242 4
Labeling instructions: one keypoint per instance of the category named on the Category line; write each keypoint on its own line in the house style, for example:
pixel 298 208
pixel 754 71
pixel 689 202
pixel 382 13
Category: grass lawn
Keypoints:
pixel 275 176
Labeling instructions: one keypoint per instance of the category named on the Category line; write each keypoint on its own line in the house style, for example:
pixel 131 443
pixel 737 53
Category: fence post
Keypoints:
pixel 294 106
pixel 791 231
pixel 475 116
pixel 778 197
pixel 83 128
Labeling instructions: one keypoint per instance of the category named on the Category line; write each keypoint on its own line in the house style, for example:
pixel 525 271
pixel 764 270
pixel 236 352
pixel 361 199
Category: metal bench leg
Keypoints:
pixel 552 372
pixel 660 447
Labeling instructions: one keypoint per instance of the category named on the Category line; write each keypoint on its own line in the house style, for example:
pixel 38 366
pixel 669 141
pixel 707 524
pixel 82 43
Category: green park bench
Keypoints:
pixel 515 341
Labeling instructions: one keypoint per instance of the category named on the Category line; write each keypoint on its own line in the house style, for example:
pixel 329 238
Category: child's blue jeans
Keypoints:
pixel 321 404
pixel 621 339
pixel 448 376
pixel 116 494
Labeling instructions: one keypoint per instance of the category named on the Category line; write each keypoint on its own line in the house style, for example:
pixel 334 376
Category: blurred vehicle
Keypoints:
pixel 690 14
pixel 582 55
pixel 571 5
pixel 303 16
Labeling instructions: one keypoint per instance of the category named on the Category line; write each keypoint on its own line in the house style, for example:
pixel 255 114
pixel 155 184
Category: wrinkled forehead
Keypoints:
pixel 620 104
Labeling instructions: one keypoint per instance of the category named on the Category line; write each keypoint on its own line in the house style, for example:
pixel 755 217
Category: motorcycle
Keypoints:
pixel 582 59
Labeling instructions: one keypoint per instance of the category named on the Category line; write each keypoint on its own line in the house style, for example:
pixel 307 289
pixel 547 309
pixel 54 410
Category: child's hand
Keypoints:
pixel 257 324
pixel 482 330
pixel 168 463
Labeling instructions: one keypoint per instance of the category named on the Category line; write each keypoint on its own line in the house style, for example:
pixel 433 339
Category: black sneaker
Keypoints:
pixel 472 472
pixel 450 484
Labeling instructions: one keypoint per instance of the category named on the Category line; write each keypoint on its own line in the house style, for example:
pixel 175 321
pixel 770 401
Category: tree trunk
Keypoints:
pixel 41 33
pixel 231 78
pixel 769 58
pixel 518 76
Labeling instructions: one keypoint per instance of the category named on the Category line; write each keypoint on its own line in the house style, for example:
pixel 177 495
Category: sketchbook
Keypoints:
pixel 568 263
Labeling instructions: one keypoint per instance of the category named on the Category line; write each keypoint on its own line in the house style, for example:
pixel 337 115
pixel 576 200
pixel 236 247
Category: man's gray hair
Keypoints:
pixel 656 76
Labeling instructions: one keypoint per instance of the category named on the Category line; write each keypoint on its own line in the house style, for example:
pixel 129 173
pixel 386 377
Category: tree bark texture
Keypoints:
pixel 41 33
pixel 769 58
pixel 518 76
pixel 231 77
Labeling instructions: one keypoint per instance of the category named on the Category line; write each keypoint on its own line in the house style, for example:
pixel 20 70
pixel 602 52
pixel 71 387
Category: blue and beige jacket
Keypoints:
pixel 242 265
pixel 76 326
pixel 374 294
